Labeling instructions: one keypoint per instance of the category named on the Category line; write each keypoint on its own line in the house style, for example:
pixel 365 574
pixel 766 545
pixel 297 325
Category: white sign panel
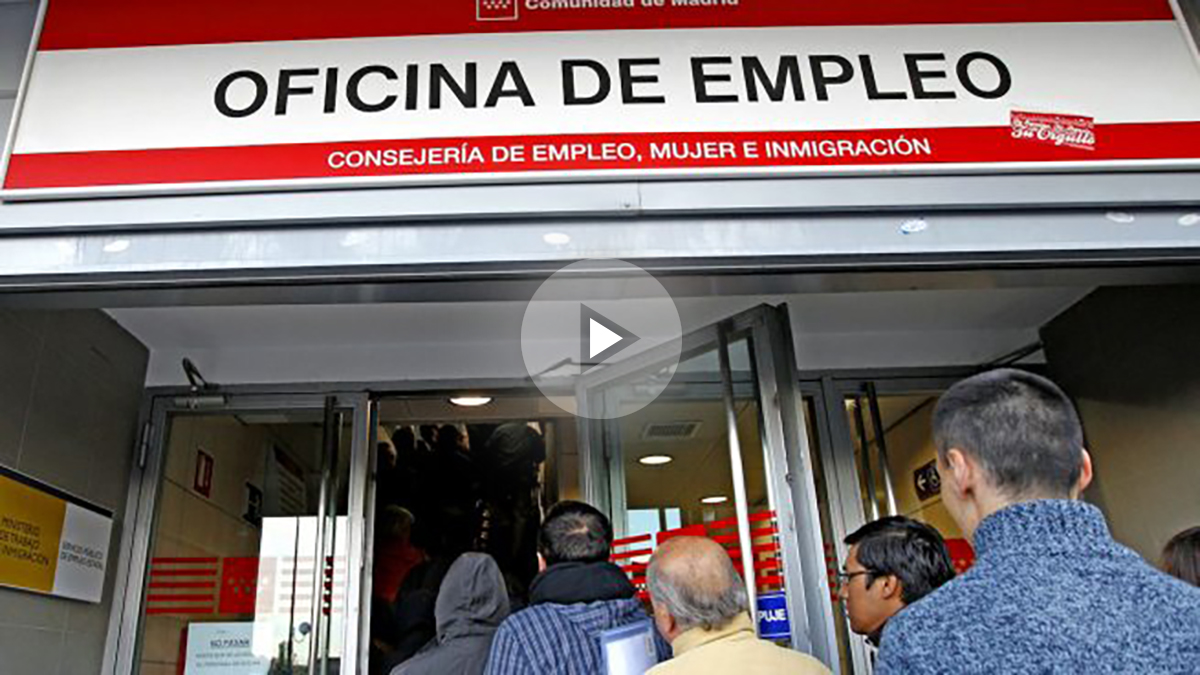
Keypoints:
pixel 303 93
pixel 225 649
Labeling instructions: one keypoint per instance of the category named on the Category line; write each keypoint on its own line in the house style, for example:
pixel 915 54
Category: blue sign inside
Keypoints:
pixel 773 621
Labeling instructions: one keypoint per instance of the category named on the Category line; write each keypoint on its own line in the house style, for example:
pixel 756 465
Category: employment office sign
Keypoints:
pixel 127 96
pixel 51 542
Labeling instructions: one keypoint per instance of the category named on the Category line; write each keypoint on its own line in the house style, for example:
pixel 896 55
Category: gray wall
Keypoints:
pixel 70 388
pixel 16 28
pixel 1129 357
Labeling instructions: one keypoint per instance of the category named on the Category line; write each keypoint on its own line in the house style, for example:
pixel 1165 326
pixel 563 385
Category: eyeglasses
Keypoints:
pixel 844 578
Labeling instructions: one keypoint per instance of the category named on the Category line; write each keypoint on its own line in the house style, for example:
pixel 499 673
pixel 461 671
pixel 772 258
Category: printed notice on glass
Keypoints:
pixel 225 649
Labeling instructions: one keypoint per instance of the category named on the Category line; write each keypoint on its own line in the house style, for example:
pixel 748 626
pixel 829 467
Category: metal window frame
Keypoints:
pixel 787 459
pixel 827 390
pixel 124 635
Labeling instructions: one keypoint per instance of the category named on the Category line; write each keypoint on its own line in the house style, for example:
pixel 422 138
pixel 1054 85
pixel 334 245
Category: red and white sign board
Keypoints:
pixel 139 96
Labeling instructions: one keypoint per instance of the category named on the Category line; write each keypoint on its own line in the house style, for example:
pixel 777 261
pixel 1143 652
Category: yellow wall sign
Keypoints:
pixel 50 541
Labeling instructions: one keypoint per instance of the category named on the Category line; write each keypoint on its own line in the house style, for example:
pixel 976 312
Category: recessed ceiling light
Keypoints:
pixel 117 246
pixel 715 499
pixel 1120 217
pixel 914 225
pixel 1189 219
pixel 471 401
pixel 656 460
pixel 557 238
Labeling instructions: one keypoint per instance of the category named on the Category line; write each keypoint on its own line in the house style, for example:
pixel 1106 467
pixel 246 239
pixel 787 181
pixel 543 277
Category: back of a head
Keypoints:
pixel 1181 556
pixel 1020 427
pixel 448 438
pixel 575 532
pixel 694 579
pixel 395 523
pixel 912 551
pixel 473 597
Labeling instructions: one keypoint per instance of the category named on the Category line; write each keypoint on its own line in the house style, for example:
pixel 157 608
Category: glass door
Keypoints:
pixel 877 458
pixel 719 453
pixel 249 537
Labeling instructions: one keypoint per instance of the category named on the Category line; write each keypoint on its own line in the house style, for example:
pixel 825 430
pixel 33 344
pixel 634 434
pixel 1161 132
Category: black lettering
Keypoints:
pixel 822 80
pixel 701 78
pixel 412 75
pixel 355 81
pixel 509 70
pixel 964 75
pixel 466 94
pixel 873 93
pixel 917 76
pixel 788 72
pixel 286 90
pixel 628 79
pixel 331 90
pixel 221 97
pixel 570 93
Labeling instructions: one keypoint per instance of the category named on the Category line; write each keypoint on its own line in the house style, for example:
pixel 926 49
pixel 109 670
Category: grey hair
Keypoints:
pixel 692 604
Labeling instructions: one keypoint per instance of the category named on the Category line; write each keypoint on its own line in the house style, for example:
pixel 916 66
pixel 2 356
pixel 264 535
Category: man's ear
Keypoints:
pixel 541 563
pixel 1085 475
pixel 890 587
pixel 962 472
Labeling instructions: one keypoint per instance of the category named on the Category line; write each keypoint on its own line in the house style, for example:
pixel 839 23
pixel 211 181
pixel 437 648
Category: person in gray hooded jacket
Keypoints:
pixel 471 604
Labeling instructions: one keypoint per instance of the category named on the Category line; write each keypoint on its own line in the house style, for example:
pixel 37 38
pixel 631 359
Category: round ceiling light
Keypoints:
pixel 715 499
pixel 471 401
pixel 656 460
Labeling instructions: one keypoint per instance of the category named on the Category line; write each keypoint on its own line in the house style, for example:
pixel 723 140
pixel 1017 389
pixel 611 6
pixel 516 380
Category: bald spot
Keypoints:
pixel 698 564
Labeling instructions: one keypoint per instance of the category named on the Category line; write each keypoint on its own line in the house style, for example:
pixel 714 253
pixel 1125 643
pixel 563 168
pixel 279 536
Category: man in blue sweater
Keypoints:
pixel 1050 592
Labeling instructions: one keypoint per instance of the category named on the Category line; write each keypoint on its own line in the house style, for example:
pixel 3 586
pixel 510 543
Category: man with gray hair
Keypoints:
pixel 700 607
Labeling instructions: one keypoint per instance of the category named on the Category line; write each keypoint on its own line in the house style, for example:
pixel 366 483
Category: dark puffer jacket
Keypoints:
pixel 472 603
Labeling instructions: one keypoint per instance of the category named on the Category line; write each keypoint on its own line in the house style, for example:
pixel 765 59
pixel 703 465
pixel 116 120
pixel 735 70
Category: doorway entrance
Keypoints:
pixel 722 454
pixel 247 536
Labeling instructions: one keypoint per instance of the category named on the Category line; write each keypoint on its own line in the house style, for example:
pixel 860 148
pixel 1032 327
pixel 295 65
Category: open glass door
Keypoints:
pixel 722 453
pixel 251 509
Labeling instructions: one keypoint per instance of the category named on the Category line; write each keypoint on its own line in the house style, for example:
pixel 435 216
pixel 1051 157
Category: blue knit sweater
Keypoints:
pixel 1050 592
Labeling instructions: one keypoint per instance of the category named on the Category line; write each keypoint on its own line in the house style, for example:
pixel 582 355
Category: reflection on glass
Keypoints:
pixel 236 583
pixel 692 493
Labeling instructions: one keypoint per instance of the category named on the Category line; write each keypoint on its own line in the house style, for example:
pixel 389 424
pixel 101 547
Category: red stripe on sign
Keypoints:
pixel 90 24
pixel 598 153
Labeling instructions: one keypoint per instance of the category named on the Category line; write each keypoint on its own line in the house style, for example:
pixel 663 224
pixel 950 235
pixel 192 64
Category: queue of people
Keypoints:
pixel 1050 590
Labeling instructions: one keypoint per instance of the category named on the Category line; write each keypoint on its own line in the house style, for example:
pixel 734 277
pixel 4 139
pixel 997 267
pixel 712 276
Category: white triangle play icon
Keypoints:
pixel 601 338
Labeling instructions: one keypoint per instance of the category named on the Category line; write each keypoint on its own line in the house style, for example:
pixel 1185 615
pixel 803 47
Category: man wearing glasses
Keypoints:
pixel 893 562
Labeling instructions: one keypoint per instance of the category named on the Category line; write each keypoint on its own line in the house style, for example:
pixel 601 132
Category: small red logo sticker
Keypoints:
pixel 1071 131
pixel 496 10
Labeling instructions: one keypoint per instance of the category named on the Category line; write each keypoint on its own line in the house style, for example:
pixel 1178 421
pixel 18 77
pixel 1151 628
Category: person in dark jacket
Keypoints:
pixel 578 596
pixel 470 607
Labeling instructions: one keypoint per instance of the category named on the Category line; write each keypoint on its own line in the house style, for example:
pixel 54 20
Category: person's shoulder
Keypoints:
pixel 800 663
pixel 530 618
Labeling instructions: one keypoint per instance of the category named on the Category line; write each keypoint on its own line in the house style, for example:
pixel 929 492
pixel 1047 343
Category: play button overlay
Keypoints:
pixel 600 338
pixel 603 333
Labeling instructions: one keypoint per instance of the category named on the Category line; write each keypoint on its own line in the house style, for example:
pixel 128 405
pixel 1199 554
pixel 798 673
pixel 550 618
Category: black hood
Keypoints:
pixel 473 599
pixel 569 583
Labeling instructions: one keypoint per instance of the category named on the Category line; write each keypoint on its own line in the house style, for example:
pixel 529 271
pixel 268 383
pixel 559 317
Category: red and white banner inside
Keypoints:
pixel 134 96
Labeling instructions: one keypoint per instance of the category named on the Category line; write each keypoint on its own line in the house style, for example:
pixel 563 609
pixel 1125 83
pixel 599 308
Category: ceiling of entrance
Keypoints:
pixel 472 340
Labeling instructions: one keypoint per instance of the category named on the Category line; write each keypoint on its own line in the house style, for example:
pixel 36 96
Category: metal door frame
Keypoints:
pixel 124 644
pixel 787 458
pixel 835 437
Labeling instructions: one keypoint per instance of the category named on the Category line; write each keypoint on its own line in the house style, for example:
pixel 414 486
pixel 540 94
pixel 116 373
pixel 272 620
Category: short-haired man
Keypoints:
pixel 578 595
pixel 1050 590
pixel 700 606
pixel 892 563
